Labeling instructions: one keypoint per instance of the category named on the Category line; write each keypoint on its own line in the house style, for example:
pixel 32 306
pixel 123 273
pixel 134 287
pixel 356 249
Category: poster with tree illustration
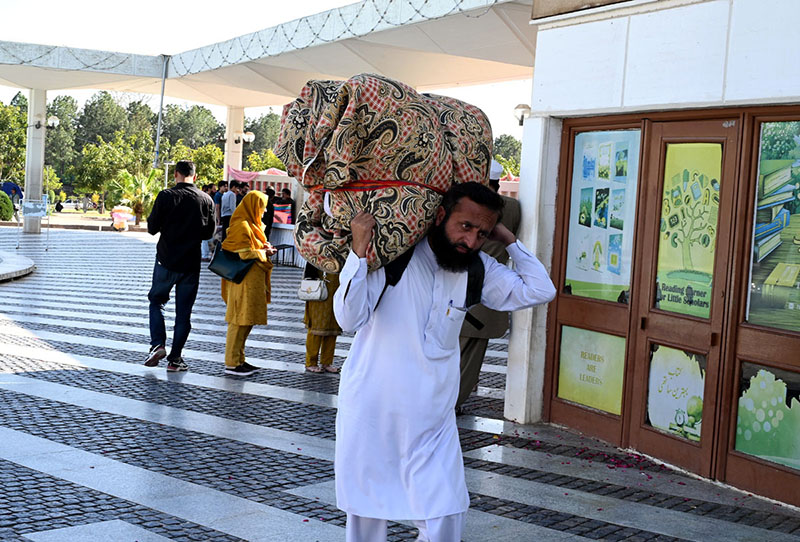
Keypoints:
pixel 688 236
pixel 775 256
pixel 768 416
pixel 602 213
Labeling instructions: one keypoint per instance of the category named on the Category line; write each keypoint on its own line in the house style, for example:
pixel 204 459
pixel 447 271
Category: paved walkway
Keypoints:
pixel 96 447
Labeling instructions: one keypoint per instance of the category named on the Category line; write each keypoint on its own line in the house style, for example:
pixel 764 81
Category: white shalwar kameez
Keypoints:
pixel 397 450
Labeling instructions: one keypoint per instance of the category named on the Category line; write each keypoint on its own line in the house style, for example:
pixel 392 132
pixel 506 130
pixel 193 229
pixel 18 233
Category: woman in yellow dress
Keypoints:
pixel 321 325
pixel 247 301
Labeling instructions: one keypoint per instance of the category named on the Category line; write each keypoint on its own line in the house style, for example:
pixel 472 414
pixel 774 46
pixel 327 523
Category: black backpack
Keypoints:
pixel 475 273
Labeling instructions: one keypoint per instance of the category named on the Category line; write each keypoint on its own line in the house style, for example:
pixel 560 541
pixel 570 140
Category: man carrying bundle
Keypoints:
pixel 398 455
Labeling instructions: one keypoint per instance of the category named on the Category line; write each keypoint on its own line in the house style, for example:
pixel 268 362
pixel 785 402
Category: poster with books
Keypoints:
pixel 602 212
pixel 774 299
pixel 688 239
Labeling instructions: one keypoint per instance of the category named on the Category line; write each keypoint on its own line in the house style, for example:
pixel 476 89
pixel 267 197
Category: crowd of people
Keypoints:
pixel 418 345
pixel 231 217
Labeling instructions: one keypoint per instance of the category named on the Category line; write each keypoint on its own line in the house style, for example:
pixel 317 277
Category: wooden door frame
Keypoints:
pixel 740 469
pixel 604 425
pixel 697 457
pixel 734 467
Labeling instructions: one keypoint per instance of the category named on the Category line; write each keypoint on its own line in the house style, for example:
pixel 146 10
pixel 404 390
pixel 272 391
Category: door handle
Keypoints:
pixel 714 338
pixel 643 323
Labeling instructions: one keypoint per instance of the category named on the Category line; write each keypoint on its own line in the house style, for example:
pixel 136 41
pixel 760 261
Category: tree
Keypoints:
pixel 264 161
pixel 137 149
pixel 208 161
pixel 101 117
pixel 690 219
pixel 136 191
pixel 50 181
pixel 778 140
pixel 196 125
pixel 6 207
pixel 141 118
pixel 20 101
pixel 508 147
pixel 179 151
pixel 59 145
pixel 12 144
pixel 266 129
pixel 510 165
pixel 100 164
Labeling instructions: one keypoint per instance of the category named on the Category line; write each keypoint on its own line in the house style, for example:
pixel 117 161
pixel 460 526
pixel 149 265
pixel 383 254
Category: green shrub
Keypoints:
pixel 6 208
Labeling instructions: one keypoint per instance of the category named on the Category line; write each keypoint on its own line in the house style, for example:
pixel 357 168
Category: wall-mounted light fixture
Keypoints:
pixel 247 137
pixel 52 122
pixel 522 112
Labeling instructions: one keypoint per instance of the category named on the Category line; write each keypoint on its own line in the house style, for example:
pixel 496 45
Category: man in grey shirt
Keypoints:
pixel 227 205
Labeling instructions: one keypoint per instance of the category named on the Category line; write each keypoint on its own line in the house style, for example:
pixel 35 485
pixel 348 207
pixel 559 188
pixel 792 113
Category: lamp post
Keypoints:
pixel 166 172
pixel 52 122
pixel 522 112
pixel 247 137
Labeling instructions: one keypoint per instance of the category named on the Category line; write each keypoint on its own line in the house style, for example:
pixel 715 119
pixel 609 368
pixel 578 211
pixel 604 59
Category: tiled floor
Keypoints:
pixel 96 447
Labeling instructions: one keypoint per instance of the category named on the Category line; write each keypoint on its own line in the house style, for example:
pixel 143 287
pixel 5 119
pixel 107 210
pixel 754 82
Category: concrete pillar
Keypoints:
pixel 541 140
pixel 233 151
pixel 34 154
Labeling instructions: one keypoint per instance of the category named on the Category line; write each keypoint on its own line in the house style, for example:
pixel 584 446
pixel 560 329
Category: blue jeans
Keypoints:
pixel 186 285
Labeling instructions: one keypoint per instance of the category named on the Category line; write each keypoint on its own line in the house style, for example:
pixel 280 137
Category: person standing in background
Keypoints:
pixel 184 216
pixel 227 206
pixel 482 323
pixel 321 325
pixel 246 301
pixel 269 214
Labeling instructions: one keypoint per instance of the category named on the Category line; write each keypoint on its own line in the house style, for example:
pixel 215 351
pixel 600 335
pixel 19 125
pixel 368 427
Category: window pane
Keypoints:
pixel 774 290
pixel 602 211
pixel 675 391
pixel 688 239
pixel 768 419
pixel 591 369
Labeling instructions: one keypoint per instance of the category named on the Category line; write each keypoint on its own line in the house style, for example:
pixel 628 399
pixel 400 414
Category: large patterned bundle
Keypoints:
pixel 373 144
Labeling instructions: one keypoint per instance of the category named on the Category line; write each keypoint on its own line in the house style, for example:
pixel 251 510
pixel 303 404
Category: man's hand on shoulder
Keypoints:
pixel 363 227
pixel 502 234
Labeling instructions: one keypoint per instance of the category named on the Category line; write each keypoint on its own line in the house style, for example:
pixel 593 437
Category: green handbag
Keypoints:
pixel 229 265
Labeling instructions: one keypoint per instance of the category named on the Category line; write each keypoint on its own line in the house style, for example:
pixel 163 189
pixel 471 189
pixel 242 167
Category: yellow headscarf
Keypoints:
pixel 246 232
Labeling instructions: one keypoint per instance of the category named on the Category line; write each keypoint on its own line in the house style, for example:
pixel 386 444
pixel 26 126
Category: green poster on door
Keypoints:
pixel 591 369
pixel 768 418
pixel 688 228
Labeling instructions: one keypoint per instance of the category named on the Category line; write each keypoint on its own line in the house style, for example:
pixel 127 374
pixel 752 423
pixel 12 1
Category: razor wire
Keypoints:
pixel 306 32
pixel 294 35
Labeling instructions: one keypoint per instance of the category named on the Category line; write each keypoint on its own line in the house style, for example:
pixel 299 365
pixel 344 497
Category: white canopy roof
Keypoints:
pixel 443 43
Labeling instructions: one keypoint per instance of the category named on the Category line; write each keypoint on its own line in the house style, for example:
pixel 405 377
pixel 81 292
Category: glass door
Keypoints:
pixel 689 181
pixel 762 419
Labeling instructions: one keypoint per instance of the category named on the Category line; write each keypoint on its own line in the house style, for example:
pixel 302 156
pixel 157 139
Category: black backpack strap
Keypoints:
pixel 394 271
pixel 475 275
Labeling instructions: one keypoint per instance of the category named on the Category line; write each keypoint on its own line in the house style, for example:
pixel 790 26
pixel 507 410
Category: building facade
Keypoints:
pixel 661 176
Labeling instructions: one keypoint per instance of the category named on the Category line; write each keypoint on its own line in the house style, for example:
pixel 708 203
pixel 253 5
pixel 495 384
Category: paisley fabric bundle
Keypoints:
pixel 374 144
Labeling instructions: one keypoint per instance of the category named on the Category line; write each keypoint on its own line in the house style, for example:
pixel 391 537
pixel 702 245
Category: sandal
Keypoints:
pixel 313 369
pixel 331 369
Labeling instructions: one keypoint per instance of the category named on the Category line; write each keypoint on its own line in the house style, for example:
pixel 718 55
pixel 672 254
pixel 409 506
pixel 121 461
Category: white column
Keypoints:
pixel 541 139
pixel 34 154
pixel 233 151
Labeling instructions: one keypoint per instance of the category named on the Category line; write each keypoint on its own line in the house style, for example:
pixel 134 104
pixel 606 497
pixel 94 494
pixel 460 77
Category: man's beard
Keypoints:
pixel 447 255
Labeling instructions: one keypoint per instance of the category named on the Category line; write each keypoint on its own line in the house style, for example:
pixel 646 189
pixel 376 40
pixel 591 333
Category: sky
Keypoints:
pixel 153 27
